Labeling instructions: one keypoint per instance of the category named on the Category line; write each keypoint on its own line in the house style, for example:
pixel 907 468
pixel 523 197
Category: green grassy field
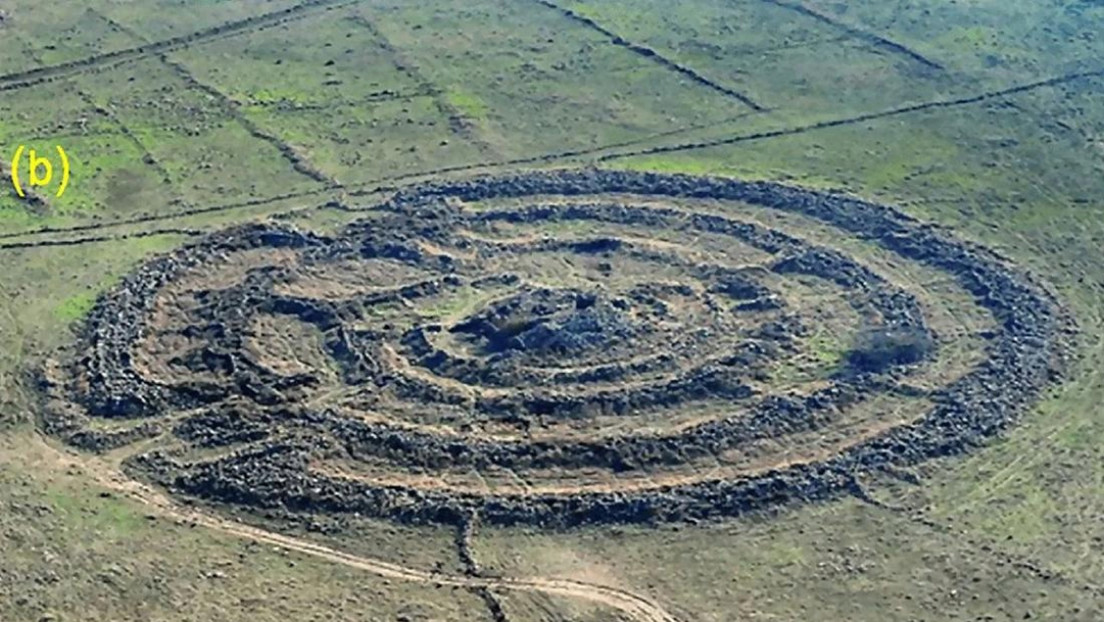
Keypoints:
pixel 339 98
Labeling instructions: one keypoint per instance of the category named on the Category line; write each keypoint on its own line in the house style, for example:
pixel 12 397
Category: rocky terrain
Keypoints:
pixel 504 347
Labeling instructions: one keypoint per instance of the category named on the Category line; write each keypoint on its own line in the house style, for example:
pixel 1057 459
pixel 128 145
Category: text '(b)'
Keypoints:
pixel 40 170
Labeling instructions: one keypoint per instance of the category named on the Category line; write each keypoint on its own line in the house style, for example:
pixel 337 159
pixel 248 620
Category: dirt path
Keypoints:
pixel 636 607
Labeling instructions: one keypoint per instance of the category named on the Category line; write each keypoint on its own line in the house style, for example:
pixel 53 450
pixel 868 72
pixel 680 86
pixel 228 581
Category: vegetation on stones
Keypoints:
pixel 876 350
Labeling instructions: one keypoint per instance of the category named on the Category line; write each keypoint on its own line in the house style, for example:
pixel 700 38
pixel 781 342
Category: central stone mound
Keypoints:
pixel 557 349
pixel 552 323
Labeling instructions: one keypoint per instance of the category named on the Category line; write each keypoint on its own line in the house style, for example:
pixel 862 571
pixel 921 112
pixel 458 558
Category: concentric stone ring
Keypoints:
pixel 558 348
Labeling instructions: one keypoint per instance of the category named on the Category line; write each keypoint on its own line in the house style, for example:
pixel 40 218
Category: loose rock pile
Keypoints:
pixel 452 374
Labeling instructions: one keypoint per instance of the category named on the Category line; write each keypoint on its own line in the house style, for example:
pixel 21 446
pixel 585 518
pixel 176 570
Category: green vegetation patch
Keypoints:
pixel 329 60
pixel 785 60
pixel 546 84
pixel 469 104
pixel 163 19
pixel 357 144
pixel 997 44
pixel 75 307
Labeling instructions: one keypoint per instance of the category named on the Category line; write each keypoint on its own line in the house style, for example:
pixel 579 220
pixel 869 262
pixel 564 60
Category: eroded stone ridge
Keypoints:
pixel 553 348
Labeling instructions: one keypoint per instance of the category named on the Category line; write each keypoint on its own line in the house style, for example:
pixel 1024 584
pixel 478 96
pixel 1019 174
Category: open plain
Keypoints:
pixel 546 310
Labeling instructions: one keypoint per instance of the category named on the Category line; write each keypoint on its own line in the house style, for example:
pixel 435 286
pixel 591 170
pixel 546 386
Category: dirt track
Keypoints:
pixel 107 474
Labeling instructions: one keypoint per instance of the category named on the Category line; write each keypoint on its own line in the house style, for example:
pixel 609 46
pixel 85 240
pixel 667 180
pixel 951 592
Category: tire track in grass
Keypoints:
pixel 465 532
pixel 635 606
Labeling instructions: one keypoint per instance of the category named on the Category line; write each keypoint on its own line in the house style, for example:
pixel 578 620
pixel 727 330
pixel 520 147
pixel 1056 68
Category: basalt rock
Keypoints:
pixel 445 355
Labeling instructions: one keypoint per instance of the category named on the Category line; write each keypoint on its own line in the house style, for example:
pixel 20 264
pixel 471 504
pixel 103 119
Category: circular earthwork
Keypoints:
pixel 558 348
